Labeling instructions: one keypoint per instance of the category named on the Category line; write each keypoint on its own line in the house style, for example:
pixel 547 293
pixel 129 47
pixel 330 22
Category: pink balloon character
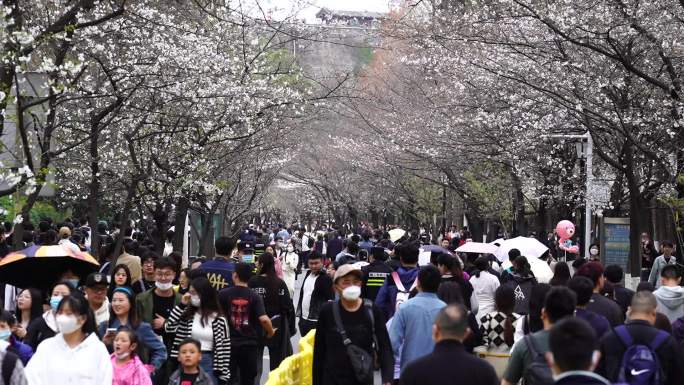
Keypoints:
pixel 565 230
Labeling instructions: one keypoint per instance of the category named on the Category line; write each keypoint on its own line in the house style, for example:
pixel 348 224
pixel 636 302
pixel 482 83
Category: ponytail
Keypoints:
pixel 508 330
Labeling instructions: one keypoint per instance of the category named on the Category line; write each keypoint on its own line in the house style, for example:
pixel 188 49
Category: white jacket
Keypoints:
pixel 484 288
pixel 290 261
pixel 56 363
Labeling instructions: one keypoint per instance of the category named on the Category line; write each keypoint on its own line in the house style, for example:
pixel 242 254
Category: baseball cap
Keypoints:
pixel 95 279
pixel 347 269
pixel 246 246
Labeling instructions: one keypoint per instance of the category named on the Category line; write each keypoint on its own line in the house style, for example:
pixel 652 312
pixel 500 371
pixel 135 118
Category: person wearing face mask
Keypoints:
pixel 75 356
pixel 198 317
pixel 364 326
pixel 245 253
pixel 154 306
pixel 279 309
pixel 45 327
pixel 9 342
pixel 595 252
pixel 289 260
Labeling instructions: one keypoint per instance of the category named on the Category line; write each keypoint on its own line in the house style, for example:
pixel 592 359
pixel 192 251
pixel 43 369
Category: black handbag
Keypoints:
pixel 362 362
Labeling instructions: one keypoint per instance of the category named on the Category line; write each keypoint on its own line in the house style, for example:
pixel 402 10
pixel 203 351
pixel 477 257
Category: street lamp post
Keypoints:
pixel 585 149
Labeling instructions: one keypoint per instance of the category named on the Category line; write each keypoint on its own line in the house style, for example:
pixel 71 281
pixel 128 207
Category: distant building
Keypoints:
pixel 351 18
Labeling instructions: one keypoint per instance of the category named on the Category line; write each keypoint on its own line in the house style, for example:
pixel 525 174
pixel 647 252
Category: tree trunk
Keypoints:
pixel 179 224
pixel 125 215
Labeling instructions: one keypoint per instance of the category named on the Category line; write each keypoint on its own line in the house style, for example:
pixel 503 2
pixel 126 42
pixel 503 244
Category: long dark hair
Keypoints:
pixel 133 319
pixel 504 300
pixel 521 266
pixel 36 304
pixel 561 274
pixel 537 296
pixel 80 307
pixel 450 292
pixel 208 300
pixel 453 265
pixel 267 268
pixel 481 264
pixel 112 282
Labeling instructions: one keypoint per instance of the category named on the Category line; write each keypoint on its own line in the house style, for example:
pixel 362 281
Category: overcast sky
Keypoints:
pixel 307 9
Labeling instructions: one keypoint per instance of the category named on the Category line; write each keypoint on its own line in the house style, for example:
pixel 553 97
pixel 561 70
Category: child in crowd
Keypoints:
pixel 128 369
pixel 190 373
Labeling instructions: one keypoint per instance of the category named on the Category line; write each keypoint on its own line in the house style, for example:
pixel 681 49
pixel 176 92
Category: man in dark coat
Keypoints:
pixel 449 363
pixel 572 359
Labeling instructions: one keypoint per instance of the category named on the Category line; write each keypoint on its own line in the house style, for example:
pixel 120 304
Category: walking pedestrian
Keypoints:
pixel 126 365
pixel 623 295
pixel 375 273
pixel 452 271
pixel 521 280
pixel 670 295
pixel 584 288
pixel 96 292
pixel 484 285
pixel 124 314
pixel 315 291
pixel 402 282
pixel 75 356
pixel 639 331
pixel 449 363
pixel 278 305
pixel 574 353
pixel 350 321
pixel 219 270
pixel 245 312
pixel 560 302
pixel 198 317
pixel 498 327
pixel 598 303
pixel 8 341
pixel 29 307
pixel 45 327
pixel 413 320
pixel 663 260
pixel 289 260
pixel 190 371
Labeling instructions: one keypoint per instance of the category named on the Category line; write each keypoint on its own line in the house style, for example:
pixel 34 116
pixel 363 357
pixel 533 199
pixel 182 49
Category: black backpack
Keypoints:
pixel 538 372
pixel 8 364
pixel 522 290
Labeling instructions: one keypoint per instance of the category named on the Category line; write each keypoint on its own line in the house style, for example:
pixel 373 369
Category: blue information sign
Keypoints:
pixel 616 243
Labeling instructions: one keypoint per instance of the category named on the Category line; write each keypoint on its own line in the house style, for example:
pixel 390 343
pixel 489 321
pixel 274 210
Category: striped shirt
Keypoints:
pixel 181 327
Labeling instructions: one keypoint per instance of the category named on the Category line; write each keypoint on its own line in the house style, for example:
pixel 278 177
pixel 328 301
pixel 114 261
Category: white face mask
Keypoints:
pixel 67 324
pixel 351 293
pixel 593 251
pixel 195 300
pixel 290 249
pixel 164 286
pixel 122 356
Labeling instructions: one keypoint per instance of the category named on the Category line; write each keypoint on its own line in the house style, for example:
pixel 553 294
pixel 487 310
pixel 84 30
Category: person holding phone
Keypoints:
pixel 198 317
pixel 124 314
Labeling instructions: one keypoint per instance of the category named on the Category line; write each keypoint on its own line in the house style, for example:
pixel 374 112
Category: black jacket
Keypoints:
pixel 623 296
pixel 374 276
pixel 331 364
pixel 606 307
pixel 322 293
pixel 448 362
pixel 642 332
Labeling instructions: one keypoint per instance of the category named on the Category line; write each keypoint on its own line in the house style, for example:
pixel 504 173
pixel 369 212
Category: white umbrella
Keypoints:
pixel 529 247
pixel 541 270
pixel 396 234
pixel 477 247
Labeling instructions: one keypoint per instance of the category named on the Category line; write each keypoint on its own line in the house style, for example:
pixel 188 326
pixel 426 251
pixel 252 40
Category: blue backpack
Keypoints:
pixel 640 365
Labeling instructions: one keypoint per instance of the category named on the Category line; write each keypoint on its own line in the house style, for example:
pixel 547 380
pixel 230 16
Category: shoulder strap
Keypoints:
pixel 368 304
pixel 624 336
pixel 531 346
pixel 8 364
pixel 659 339
pixel 338 323
pixel 397 281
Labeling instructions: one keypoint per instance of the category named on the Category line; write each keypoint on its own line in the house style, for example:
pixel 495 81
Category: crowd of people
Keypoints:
pixel 148 317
